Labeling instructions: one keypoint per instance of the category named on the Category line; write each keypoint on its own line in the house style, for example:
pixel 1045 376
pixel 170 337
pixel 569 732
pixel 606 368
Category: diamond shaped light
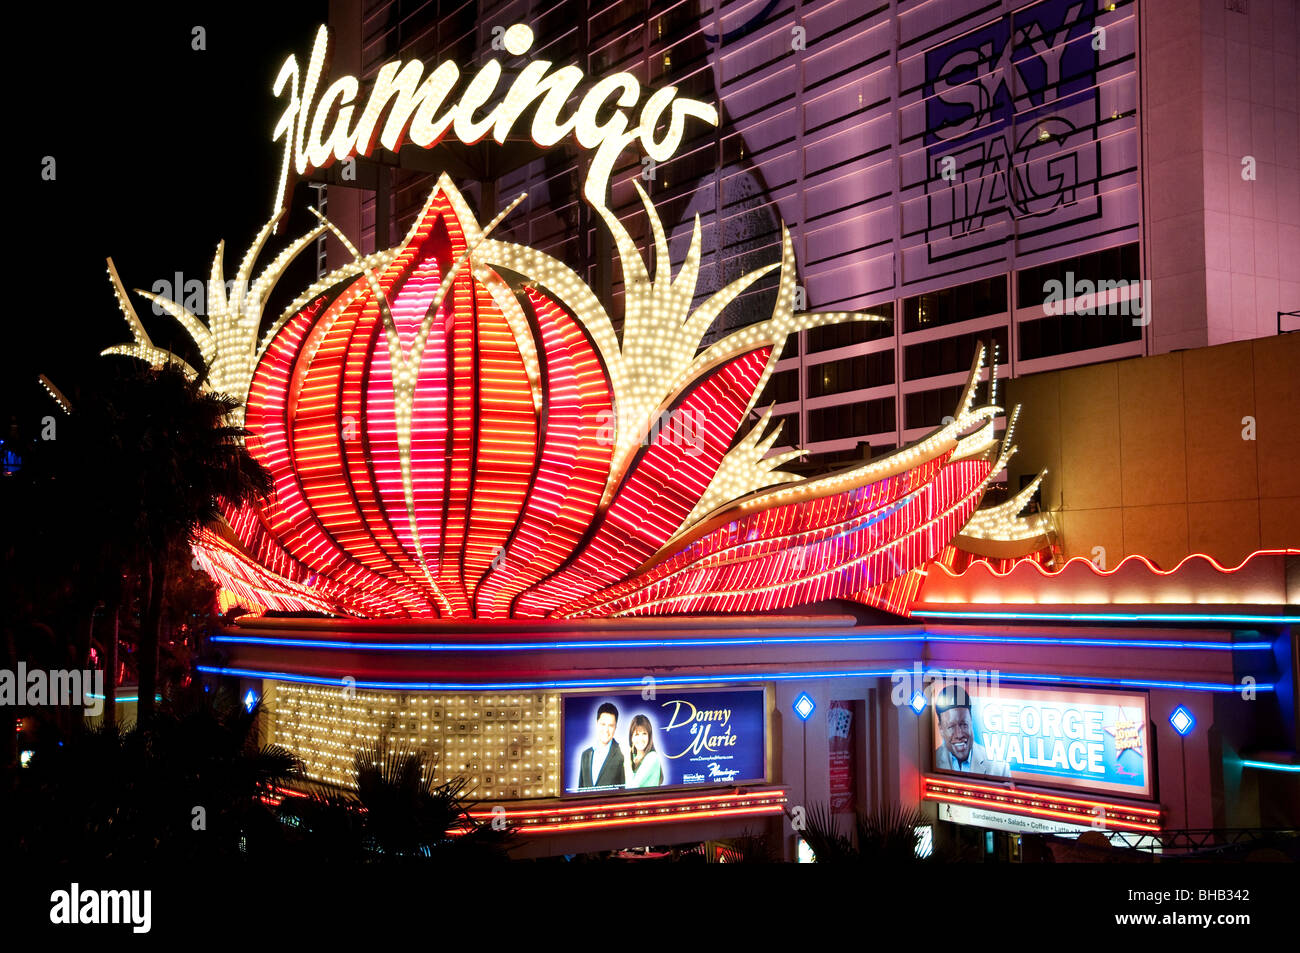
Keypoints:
pixel 1182 721
pixel 804 706
pixel 917 704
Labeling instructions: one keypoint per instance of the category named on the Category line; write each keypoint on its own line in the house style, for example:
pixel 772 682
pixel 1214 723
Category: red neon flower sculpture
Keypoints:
pixel 455 430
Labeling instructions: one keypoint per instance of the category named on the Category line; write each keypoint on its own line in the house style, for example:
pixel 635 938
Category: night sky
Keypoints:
pixel 161 150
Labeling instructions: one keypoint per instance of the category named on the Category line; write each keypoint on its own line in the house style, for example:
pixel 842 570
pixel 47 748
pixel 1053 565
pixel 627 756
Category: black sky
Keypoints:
pixel 161 150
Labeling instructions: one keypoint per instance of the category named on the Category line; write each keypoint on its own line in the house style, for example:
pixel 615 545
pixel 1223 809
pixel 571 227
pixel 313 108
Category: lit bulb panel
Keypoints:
pixel 506 744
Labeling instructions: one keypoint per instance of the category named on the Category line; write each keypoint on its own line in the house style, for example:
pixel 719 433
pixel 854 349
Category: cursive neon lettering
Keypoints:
pixel 418 107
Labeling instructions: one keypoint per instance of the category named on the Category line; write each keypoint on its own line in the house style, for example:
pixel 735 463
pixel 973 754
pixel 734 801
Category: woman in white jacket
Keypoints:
pixel 641 764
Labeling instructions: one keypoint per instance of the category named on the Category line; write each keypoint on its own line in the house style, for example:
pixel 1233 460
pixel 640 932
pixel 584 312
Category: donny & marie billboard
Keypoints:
pixel 1089 740
pixel 615 742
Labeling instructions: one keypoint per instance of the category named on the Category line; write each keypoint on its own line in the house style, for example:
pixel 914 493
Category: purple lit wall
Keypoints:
pixel 917 149
pixel 1223 169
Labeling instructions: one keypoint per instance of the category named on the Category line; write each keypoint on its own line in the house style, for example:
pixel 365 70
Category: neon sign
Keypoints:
pixel 417 110
pixel 446 444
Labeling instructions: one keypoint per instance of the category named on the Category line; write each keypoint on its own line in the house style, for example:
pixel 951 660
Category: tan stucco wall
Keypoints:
pixel 1147 455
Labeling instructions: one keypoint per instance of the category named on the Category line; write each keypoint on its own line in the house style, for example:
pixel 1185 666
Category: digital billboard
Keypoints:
pixel 1089 740
pixel 616 742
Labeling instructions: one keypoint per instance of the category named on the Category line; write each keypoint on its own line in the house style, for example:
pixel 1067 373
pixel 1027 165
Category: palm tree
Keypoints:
pixel 137 461
pixel 886 835
pixel 748 848
pixel 65 550
pixel 133 796
pixel 400 812
pixel 175 460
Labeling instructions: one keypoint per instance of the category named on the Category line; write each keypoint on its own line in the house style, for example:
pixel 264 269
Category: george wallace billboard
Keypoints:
pixel 1096 741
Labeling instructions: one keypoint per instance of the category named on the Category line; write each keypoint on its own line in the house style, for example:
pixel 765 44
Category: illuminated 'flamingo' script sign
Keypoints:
pixel 418 111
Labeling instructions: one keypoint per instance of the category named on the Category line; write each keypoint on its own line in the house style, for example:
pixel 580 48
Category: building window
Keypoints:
pixel 831 336
pixel 839 458
pixel 950 355
pixel 841 421
pixel 927 408
pixel 1075 278
pixel 950 305
pixel 782 387
pixel 1121 263
pixel 851 373
pixel 1063 334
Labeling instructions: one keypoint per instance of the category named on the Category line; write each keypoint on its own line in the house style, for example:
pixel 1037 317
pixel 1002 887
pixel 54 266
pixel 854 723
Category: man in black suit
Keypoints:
pixel 604 759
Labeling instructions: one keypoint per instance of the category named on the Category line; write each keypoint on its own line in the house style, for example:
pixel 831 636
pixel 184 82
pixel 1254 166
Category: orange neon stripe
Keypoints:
pixel 797 525
pixel 573 462
pixel 1152 812
pixel 507 441
pixel 372 530
pixel 627 805
pixel 654 819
